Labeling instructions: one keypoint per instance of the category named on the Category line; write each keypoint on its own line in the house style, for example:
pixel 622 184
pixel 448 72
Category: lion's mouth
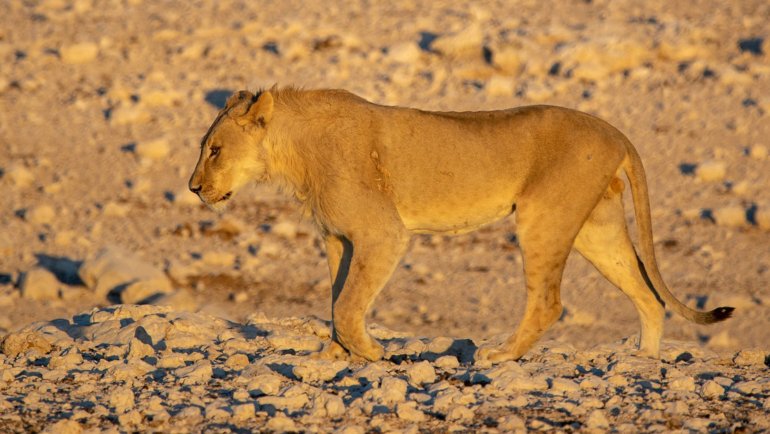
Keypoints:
pixel 226 196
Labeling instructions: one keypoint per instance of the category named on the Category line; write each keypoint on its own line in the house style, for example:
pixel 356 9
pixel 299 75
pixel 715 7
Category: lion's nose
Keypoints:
pixel 195 188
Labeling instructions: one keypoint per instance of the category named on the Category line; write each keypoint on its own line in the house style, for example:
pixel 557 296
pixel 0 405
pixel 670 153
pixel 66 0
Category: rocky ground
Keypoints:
pixel 102 106
pixel 127 368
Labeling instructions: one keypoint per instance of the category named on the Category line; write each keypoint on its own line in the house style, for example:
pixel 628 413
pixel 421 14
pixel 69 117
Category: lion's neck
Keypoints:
pixel 286 146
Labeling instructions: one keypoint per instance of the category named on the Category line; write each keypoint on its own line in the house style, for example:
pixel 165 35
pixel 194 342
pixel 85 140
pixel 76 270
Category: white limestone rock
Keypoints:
pixel 64 426
pixel 328 405
pixel 682 384
pixel 243 412
pixel 197 373
pixel 289 403
pixel 464 44
pixel 421 373
pixel 122 399
pixel 750 357
pixel 289 341
pixel 312 370
pixel 499 85
pixel 405 52
pixel 115 269
pixel 564 385
pixel 409 412
pixel 711 389
pixel 40 284
pixel 392 390
pixel 597 419
pixel 78 54
pixel 711 171
pixel 237 361
pixel 281 424
pixel 153 150
pixel 447 362
pixel 43 214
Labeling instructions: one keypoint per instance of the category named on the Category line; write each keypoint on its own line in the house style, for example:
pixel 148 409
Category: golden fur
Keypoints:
pixel 372 175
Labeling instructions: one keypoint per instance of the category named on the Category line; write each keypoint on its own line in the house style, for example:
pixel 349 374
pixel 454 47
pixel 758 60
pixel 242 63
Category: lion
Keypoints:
pixel 371 176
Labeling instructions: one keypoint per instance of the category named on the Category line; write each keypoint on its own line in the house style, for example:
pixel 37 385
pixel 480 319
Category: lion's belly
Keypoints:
pixel 451 217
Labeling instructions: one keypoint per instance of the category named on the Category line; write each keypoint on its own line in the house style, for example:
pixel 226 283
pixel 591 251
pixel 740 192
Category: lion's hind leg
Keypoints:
pixel 605 242
pixel 546 231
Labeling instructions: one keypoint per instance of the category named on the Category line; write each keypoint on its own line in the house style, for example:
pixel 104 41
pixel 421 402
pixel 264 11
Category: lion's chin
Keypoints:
pixel 220 204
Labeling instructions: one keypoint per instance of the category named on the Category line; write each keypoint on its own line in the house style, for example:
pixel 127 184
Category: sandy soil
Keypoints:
pixel 102 106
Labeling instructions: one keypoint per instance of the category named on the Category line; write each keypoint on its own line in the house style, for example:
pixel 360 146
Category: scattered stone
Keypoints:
pixel 682 384
pixel 289 403
pixel 409 412
pixel 597 419
pixel 763 218
pixel 78 54
pixel 131 419
pixel 285 229
pixel 711 389
pixel 499 85
pixel 747 387
pixel 129 115
pixel 67 359
pixel 197 373
pixel 243 412
pixel 406 52
pixel 41 214
pixel 162 97
pixel 114 269
pixel 40 284
pixel 25 340
pixel 114 209
pixel 138 349
pixel 511 423
pixel 329 405
pixel 318 370
pixel 265 384
pixel 285 341
pixel 421 373
pixel 459 413
pixel 750 357
pixel 447 362
pixel 758 152
pixel 564 385
pixel 237 361
pixel 64 426
pixel 392 390
pixel 731 216
pixel 509 60
pixel 122 399
pixel 464 44
pixel 19 175
pixel 711 171
pixel 219 259
pixel 153 150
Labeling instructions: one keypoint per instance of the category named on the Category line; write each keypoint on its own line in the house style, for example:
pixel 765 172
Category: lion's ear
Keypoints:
pixel 261 111
pixel 239 102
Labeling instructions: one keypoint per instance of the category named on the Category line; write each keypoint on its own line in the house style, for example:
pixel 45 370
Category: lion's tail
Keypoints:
pixel 632 165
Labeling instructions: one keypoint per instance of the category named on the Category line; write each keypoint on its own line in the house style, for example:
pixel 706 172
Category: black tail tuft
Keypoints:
pixel 721 313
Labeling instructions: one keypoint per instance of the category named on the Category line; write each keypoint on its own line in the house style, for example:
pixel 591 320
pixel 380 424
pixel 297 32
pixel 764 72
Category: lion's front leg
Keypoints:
pixel 338 254
pixel 375 255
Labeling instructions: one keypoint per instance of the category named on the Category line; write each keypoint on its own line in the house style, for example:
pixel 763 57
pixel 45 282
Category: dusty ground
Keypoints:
pixel 102 106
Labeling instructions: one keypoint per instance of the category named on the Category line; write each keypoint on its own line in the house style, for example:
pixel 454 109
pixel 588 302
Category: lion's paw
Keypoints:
pixel 490 355
pixel 332 351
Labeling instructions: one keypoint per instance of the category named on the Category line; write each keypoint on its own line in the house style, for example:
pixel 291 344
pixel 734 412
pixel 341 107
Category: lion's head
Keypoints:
pixel 231 151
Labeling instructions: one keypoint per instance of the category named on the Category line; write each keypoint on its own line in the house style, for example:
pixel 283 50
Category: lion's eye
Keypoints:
pixel 214 151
